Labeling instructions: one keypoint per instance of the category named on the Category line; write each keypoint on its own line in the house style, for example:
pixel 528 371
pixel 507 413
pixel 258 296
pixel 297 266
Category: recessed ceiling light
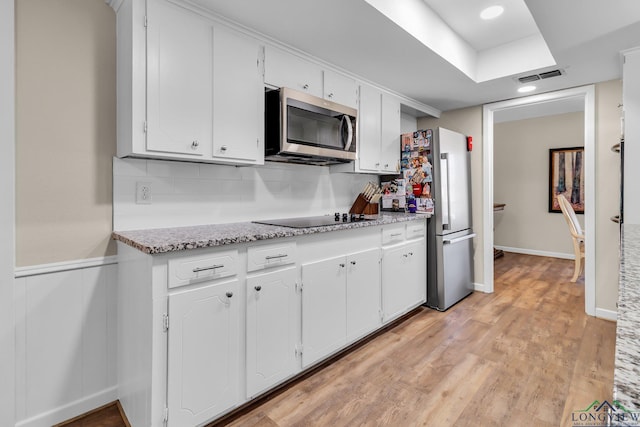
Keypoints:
pixel 525 89
pixel 492 12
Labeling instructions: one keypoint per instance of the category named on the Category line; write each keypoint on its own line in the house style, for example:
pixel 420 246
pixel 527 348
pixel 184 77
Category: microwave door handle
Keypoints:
pixel 346 120
pixel 444 186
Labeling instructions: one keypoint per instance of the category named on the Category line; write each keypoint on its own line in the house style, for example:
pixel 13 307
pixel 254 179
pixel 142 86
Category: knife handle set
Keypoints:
pixel 367 201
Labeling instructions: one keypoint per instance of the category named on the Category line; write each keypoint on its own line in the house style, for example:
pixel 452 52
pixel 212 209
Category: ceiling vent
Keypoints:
pixel 545 75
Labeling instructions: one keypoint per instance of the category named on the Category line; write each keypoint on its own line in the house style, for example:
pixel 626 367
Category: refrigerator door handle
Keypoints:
pixel 459 239
pixel 444 185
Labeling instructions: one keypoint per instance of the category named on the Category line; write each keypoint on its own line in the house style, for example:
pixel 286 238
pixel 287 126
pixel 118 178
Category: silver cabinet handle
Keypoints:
pixel 353 263
pixel 616 219
pixel 342 265
pixel 405 255
pixel 268 257
pixel 223 148
pixel 213 267
pixel 386 165
pixel 257 288
pixel 396 234
pixel 194 145
pixel 305 86
pixel 330 95
pixel 229 294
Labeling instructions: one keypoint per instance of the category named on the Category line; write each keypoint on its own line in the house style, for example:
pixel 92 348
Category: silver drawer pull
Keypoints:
pixel 396 234
pixel 275 256
pixel 213 267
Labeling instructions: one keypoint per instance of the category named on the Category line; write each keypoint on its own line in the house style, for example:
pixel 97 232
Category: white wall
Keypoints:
pixel 631 101
pixel 65 340
pixel 521 180
pixel 198 193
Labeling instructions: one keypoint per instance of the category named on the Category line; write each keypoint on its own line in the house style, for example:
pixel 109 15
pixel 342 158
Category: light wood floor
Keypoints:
pixel 526 355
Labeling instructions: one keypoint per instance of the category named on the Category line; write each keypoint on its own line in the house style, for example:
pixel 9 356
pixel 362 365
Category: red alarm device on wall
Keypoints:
pixel 469 143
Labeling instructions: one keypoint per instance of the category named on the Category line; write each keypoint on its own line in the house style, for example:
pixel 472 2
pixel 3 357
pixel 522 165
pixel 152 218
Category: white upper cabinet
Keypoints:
pixel 193 91
pixel 379 133
pixel 369 118
pixel 390 134
pixel 283 69
pixel 179 84
pixel 238 102
pixel 340 89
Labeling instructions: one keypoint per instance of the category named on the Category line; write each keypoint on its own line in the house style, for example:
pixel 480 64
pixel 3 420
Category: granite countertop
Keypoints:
pixel 626 380
pixel 162 240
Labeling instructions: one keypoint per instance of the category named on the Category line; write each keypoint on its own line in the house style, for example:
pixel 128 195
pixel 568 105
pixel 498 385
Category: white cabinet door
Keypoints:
pixel 238 103
pixel 390 134
pixel 203 353
pixel 417 272
pixel 179 84
pixel 340 88
pixel 369 117
pixel 324 324
pixel 395 274
pixel 363 293
pixel 272 329
pixel 282 69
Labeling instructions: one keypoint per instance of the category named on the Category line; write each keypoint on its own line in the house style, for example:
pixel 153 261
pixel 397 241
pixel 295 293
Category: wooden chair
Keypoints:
pixel 576 234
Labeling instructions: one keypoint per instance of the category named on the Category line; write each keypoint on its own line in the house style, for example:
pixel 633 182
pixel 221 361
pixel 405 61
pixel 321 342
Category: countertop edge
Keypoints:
pixel 174 239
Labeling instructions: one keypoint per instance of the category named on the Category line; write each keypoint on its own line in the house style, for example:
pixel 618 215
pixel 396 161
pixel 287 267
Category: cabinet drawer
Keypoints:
pixel 392 234
pixel 185 270
pixel 415 229
pixel 261 257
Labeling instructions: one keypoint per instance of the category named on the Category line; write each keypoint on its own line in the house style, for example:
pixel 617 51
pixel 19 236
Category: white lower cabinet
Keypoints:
pixel 404 278
pixel 363 293
pixel 272 329
pixel 340 302
pixel 203 331
pixel 203 353
pixel 324 308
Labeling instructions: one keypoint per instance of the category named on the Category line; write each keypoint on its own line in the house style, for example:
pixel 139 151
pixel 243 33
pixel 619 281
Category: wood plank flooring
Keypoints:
pixel 525 355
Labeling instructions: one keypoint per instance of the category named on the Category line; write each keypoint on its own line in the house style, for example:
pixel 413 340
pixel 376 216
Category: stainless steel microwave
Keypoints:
pixel 302 128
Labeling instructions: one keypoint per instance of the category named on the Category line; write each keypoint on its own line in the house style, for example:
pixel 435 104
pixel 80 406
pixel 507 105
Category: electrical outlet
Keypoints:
pixel 143 193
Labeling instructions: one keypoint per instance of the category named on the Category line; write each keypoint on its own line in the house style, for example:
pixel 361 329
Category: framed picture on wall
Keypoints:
pixel 566 176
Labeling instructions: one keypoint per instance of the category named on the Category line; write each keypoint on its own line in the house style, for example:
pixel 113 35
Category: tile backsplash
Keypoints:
pixel 197 193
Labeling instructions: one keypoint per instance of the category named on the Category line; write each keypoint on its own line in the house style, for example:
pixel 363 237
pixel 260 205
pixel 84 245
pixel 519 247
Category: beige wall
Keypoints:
pixel 66 129
pixel 608 97
pixel 521 180
pixel 468 121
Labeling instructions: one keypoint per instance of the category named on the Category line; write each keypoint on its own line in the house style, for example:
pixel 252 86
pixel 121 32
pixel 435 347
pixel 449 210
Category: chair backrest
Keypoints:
pixel 570 217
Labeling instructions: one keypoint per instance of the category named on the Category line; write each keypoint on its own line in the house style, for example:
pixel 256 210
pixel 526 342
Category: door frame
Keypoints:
pixel 7 212
pixel 587 93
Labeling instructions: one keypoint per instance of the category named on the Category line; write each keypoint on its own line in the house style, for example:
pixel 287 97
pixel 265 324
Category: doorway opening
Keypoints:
pixel 585 95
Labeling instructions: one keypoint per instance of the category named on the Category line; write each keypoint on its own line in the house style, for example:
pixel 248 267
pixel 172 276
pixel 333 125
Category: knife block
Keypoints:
pixel 362 206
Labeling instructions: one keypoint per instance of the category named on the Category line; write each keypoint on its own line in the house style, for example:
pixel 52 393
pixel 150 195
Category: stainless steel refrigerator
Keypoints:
pixel 449 230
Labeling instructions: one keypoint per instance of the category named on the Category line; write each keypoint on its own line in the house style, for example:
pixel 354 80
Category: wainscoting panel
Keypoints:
pixel 65 340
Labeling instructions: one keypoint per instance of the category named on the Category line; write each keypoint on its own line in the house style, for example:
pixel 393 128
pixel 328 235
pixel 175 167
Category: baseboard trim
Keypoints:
pixel 536 252
pixel 71 410
pixel 606 314
pixel 34 270
pixel 479 287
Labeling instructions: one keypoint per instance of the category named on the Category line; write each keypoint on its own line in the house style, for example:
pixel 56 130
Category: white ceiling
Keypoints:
pixel 584 37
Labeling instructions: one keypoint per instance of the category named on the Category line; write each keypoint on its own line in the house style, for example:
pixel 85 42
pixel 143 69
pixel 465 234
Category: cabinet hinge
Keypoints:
pixel 298 350
pixel 165 415
pixel 145 21
pixel 299 286
pixel 165 322
pixel 144 127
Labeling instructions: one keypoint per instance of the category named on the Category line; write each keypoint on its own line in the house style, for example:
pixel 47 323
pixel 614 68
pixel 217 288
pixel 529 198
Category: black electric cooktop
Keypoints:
pixel 316 221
